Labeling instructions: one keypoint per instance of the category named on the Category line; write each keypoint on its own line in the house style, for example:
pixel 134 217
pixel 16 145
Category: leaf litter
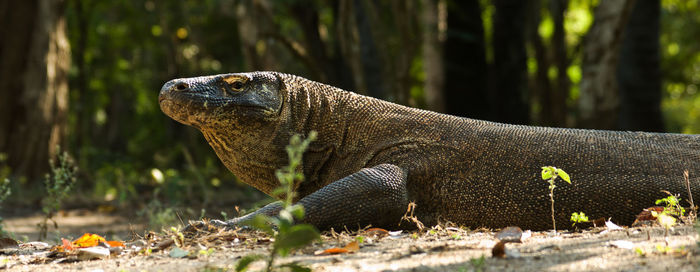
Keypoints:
pixel 354 248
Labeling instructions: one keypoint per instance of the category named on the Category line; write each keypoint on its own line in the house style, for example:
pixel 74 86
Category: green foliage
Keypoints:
pixel 680 59
pixel 58 185
pixel 550 174
pixel 673 209
pixel 578 218
pixel 123 51
pixel 287 234
pixel 673 206
pixel 290 175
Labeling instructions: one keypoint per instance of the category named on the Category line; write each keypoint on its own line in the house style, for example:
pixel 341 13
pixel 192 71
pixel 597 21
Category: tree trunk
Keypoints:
pixel 557 109
pixel 369 56
pixel 638 74
pixel 510 103
pixel 599 101
pixel 541 86
pixel 433 21
pixel 34 62
pixel 465 61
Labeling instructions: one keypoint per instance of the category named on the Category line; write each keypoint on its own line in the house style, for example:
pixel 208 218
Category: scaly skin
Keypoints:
pixel 373 157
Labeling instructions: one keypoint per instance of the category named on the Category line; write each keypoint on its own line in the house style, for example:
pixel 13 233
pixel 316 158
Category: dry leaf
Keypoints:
pixel 88 240
pixel 499 250
pixel 332 251
pixel 350 247
pixel 612 226
pixel 377 232
pixel 600 222
pixel 67 245
pixel 115 244
pixel 646 214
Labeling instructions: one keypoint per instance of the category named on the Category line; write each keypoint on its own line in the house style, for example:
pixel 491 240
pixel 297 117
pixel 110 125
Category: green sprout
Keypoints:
pixel 287 235
pixel 550 174
pixel 578 218
pixel 673 206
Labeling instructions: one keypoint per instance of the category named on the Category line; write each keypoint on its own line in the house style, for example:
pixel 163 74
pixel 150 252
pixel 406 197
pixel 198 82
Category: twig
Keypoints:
pixel 690 195
pixel 408 216
pixel 551 197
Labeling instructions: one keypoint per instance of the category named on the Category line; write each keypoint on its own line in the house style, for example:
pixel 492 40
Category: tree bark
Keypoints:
pixel 464 59
pixel 541 85
pixel 510 103
pixel 638 72
pixel 599 101
pixel 34 66
pixel 433 21
pixel 557 109
pixel 369 55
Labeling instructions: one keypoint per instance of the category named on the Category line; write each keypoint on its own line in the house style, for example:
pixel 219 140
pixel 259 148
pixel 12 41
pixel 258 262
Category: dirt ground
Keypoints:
pixel 443 249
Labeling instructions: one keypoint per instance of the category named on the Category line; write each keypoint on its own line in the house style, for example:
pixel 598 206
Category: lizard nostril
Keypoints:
pixel 181 86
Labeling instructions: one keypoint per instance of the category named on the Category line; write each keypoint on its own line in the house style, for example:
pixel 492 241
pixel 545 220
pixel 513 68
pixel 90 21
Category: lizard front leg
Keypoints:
pixel 374 196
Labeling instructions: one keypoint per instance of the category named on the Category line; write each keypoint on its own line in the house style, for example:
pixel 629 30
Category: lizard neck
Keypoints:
pixel 349 128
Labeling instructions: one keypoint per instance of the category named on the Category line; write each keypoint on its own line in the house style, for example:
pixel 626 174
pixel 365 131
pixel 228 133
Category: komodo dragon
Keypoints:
pixel 373 157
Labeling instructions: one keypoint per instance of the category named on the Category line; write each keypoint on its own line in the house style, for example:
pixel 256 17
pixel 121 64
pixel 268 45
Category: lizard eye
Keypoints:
pixel 237 85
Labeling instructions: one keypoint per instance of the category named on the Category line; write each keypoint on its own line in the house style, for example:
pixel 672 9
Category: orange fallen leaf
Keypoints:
pixel 377 230
pixel 115 244
pixel 66 245
pixel 88 240
pixel 334 250
pixel 350 247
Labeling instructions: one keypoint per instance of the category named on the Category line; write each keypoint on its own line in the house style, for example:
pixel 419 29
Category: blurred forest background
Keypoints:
pixel 85 75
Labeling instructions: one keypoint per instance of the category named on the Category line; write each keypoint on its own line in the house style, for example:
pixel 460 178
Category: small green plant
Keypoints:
pixel 5 191
pixel 550 174
pixel 286 233
pixel 640 252
pixel 664 249
pixel 673 209
pixel 58 183
pixel 673 206
pixel 578 218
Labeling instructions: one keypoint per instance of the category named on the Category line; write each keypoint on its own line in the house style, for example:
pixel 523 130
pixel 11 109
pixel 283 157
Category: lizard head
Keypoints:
pixel 222 100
